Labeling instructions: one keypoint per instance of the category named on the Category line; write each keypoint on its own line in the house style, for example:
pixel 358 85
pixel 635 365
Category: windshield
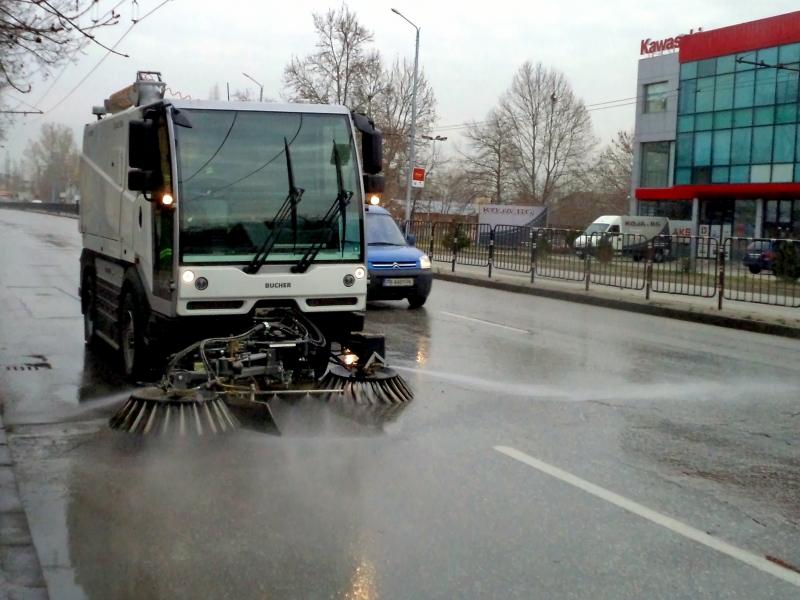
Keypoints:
pixel 596 228
pixel 383 231
pixel 233 178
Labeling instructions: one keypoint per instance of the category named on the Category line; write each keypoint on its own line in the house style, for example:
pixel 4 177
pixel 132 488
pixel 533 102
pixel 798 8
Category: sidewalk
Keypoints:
pixel 20 571
pixel 760 318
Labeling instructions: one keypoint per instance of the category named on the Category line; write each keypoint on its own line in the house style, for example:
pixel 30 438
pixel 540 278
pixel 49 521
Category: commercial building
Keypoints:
pixel 717 137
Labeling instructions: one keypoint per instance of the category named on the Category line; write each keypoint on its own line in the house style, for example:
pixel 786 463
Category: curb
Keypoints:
pixel 626 305
pixel 20 570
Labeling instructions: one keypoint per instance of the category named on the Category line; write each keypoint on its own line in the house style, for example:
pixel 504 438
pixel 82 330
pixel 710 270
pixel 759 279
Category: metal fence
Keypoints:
pixel 762 271
pixel 690 268
pixel 617 260
pixel 472 244
pixel 758 270
pixel 555 256
pixel 513 248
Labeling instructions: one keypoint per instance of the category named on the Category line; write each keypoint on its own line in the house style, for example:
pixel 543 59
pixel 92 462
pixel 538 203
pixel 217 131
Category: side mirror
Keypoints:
pixel 371 144
pixel 142 181
pixel 411 239
pixel 142 145
pixel 374 184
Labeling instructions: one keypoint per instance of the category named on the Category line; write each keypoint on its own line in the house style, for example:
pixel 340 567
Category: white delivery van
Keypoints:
pixel 629 235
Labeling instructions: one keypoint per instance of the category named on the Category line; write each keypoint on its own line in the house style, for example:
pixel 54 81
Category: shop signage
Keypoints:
pixel 508 214
pixel 649 46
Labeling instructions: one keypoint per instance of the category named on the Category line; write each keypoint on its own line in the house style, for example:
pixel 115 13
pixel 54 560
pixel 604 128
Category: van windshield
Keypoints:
pixel 383 231
pixel 233 179
pixel 597 228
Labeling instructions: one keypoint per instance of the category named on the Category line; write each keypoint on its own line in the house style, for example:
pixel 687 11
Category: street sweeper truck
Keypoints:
pixel 224 242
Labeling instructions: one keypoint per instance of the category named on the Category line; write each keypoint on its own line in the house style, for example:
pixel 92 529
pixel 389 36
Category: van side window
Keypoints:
pixel 613 229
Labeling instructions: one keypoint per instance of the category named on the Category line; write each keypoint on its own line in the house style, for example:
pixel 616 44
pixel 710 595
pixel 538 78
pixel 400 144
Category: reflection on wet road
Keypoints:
pixel 696 423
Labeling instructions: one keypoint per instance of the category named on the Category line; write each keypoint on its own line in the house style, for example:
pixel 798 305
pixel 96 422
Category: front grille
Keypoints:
pixel 394 265
pixel 214 304
pixel 332 301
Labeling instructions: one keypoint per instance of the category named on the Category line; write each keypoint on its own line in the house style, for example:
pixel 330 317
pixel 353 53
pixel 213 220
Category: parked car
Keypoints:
pixel 396 269
pixel 760 254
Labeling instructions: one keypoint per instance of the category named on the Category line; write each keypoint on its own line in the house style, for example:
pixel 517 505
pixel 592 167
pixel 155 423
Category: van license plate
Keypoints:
pixel 398 282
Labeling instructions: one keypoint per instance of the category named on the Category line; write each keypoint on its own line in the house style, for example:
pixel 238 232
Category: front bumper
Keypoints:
pixel 376 290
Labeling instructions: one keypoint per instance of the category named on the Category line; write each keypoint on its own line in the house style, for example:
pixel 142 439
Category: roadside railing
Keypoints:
pixel 513 248
pixel 762 271
pixel 756 270
pixel 689 269
pixel 617 260
pixel 555 256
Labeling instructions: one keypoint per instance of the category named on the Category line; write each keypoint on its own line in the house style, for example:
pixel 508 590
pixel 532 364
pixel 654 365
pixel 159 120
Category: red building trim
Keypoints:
pixel 740 191
pixel 764 33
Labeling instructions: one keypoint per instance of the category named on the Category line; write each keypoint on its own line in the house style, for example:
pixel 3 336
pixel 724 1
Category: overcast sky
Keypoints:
pixel 469 51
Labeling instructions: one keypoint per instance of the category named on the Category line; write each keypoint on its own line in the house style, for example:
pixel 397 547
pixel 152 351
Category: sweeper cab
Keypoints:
pixel 223 245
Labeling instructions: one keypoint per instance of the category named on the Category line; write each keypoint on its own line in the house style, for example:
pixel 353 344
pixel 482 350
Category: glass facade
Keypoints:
pixel 675 210
pixel 740 122
pixel 655 165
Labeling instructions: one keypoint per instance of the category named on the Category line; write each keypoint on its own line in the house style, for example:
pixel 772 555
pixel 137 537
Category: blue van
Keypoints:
pixel 397 270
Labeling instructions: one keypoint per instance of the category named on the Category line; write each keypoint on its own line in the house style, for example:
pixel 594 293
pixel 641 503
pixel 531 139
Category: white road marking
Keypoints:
pixel 449 314
pixel 672 524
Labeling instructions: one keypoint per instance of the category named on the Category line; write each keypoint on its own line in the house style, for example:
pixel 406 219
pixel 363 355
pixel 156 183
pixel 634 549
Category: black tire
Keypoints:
pixel 416 301
pixel 658 256
pixel 132 350
pixel 754 269
pixel 89 293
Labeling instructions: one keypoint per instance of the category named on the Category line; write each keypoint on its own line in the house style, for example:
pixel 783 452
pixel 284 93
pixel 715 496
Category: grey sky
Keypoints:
pixel 469 51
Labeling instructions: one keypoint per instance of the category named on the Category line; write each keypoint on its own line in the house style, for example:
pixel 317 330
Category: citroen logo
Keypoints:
pixel 395 266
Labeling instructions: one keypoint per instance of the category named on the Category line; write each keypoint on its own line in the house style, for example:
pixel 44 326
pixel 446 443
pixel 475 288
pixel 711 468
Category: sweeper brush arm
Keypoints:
pixel 276 357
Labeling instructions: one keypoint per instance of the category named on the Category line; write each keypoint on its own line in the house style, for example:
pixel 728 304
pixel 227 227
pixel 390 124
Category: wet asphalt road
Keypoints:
pixel 696 423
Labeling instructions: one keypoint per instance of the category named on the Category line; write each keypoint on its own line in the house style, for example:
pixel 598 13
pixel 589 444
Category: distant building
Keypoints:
pixel 717 140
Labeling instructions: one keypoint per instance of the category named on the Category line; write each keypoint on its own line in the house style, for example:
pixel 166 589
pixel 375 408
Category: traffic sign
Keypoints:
pixel 418 178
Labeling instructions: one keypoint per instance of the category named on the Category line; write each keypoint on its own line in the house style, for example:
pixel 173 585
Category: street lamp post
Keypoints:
pixel 261 93
pixel 410 175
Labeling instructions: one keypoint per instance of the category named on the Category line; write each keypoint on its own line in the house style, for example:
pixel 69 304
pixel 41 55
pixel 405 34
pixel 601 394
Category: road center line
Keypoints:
pixel 672 524
pixel 449 314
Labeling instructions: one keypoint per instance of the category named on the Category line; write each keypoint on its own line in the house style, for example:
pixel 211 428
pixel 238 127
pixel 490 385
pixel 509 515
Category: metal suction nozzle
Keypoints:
pixel 152 411
pixel 377 386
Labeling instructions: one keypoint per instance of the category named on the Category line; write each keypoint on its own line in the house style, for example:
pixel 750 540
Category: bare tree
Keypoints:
pixel 391 109
pixel 214 93
pixel 613 167
pixel 53 161
pixel 550 132
pixel 39 35
pixel 456 190
pixel 245 95
pixel 342 70
pixel 489 160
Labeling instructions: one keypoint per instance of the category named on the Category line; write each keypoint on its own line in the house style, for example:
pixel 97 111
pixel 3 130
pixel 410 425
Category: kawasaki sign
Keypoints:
pixel 649 46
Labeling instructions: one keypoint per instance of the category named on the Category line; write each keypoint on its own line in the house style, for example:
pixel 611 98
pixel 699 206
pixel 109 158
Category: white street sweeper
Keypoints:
pixel 225 241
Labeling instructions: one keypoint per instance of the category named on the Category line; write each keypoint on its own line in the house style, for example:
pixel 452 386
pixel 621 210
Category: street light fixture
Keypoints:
pixel 410 175
pixel 261 94
pixel 438 138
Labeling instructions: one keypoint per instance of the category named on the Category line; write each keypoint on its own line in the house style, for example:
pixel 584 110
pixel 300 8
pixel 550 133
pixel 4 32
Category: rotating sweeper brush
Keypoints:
pixel 279 357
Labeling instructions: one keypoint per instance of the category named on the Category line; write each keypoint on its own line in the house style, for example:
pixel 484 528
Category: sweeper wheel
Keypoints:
pixel 153 411
pixel 380 386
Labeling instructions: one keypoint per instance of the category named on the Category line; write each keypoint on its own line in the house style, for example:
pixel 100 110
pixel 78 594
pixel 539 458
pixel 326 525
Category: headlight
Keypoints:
pixel 375 200
pixel 167 200
pixel 360 272
pixel 424 262
pixel 188 276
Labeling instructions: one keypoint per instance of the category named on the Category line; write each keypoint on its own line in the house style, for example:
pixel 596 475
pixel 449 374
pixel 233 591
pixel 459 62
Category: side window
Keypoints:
pixel 655 97
pixel 613 229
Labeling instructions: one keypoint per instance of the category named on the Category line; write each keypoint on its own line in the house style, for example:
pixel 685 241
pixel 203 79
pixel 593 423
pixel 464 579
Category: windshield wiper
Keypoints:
pixel 337 208
pixel 288 208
